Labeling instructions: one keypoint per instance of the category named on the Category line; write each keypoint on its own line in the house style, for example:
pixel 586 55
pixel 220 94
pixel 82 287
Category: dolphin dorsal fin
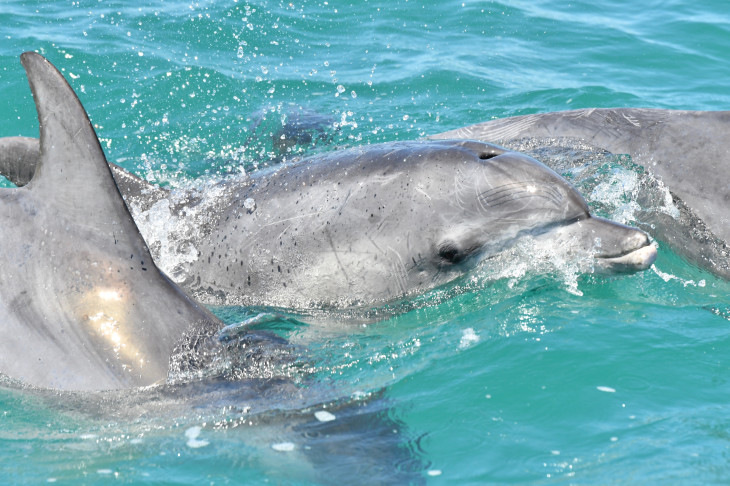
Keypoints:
pixel 72 170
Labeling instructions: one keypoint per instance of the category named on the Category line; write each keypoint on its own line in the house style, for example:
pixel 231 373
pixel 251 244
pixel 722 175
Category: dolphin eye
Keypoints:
pixel 449 252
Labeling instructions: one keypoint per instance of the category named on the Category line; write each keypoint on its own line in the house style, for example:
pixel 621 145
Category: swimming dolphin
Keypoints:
pixel 82 304
pixel 686 150
pixel 379 222
pixel 368 225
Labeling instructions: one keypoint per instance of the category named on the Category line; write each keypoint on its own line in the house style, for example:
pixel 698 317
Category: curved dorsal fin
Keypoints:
pixel 72 169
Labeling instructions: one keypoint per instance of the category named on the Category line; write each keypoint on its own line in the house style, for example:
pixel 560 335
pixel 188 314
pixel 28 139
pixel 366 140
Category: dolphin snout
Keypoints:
pixel 624 248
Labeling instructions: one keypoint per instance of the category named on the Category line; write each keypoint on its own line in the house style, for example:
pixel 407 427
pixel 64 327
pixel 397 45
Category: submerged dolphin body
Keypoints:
pixel 686 150
pixel 368 225
pixel 82 304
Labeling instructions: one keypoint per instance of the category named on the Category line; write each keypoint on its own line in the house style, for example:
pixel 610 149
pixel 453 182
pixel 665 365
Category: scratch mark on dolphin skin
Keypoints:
pixel 507 130
pixel 301 216
pixel 631 120
pixel 461 191
pixel 423 192
pixel 400 271
pixel 584 113
pixel 282 233
pixel 384 179
pixel 337 257
pixel 375 245
pixel 519 190
pixel 344 203
pixel 385 220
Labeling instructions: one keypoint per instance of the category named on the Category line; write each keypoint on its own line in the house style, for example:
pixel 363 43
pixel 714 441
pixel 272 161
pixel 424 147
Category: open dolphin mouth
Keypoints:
pixel 633 260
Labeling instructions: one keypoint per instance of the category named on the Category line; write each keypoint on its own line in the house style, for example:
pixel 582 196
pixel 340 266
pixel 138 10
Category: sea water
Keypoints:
pixel 533 374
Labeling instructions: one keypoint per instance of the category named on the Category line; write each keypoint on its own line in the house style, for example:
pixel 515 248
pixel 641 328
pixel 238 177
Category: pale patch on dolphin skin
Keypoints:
pixel 642 258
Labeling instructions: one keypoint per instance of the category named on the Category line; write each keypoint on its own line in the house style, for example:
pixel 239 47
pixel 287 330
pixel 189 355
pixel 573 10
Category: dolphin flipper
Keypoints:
pixel 83 305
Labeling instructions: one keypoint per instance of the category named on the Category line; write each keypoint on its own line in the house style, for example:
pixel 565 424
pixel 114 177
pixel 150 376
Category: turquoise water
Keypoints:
pixel 536 377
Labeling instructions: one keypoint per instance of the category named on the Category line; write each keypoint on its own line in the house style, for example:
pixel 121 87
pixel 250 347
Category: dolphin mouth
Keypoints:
pixel 633 260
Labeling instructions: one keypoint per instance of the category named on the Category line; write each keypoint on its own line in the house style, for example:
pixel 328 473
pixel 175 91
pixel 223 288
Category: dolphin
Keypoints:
pixel 82 304
pixel 367 225
pixel 370 224
pixel 685 150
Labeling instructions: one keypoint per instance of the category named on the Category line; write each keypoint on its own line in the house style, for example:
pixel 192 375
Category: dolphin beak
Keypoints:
pixel 633 261
pixel 631 251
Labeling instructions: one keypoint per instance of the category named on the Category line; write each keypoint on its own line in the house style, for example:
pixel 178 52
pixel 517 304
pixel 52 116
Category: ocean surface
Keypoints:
pixel 524 375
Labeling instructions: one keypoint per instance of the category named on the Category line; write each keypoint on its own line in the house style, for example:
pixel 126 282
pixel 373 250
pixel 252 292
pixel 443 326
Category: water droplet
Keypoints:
pixel 192 434
pixel 324 416
pixel 240 52
pixel 283 447
pixel 249 204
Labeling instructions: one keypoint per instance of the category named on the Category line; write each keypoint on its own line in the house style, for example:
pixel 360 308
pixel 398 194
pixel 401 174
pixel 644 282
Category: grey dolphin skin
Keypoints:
pixel 82 304
pixel 686 150
pixel 367 225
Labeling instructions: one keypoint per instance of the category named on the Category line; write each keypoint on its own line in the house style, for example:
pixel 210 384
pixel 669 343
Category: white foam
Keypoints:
pixel 468 338
pixel 192 434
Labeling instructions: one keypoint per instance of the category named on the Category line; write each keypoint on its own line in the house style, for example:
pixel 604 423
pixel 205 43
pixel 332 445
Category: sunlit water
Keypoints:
pixel 526 371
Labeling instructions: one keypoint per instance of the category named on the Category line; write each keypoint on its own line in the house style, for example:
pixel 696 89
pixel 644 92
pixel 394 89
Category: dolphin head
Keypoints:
pixel 499 197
